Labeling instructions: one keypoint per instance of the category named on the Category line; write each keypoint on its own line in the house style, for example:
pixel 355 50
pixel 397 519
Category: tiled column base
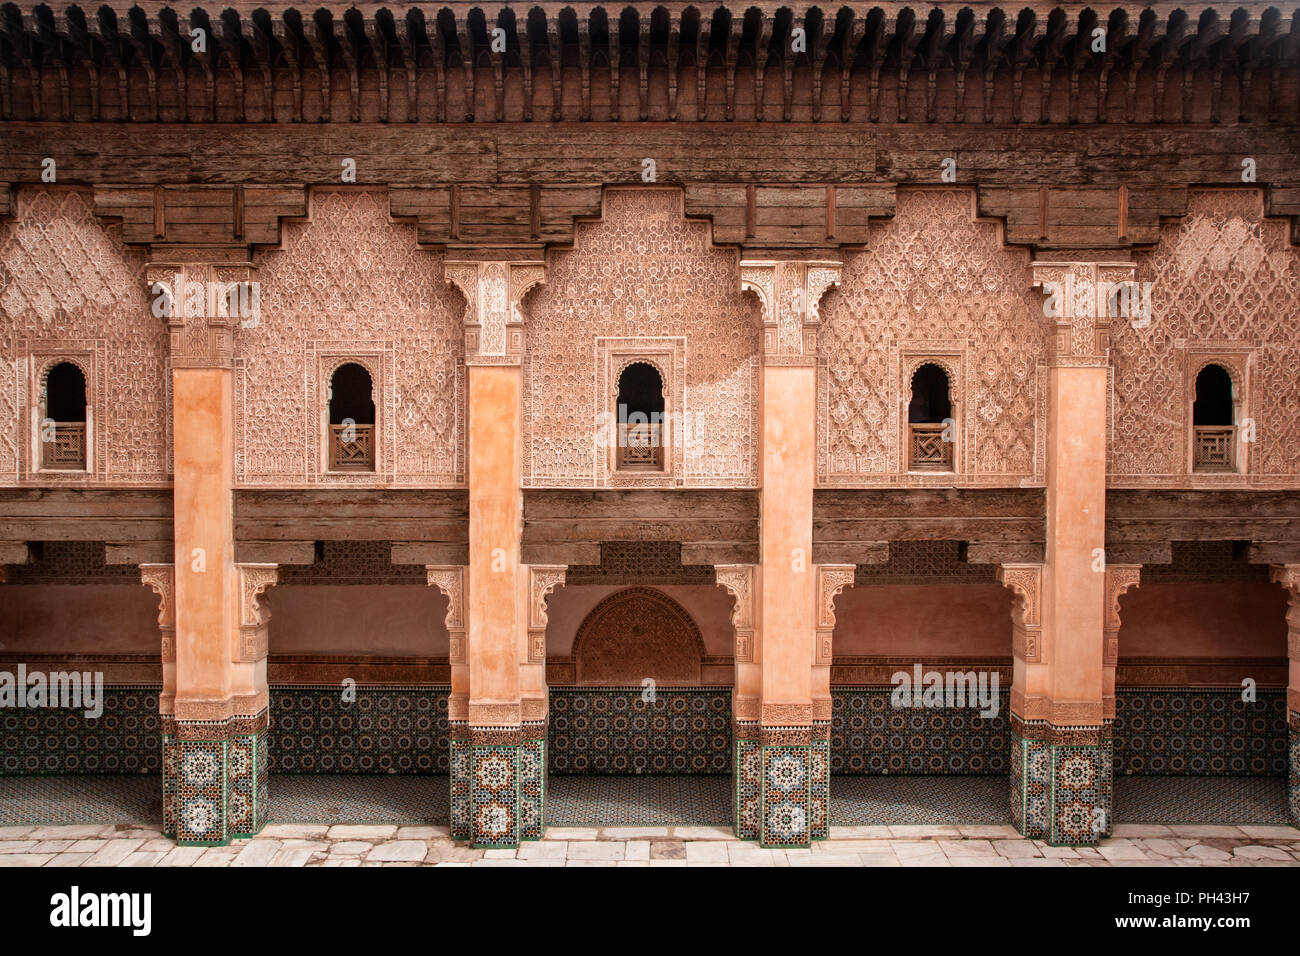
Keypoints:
pixel 747 780
pixel 215 779
pixel 788 771
pixel 495 757
pixel 1293 772
pixel 532 783
pixel 460 780
pixel 1061 782
pixel 819 771
pixel 781 784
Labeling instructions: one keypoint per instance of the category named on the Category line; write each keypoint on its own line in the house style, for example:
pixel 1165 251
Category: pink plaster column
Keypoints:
pixel 498 753
pixel 1061 736
pixel 1288 575
pixel 783 759
pixel 215 700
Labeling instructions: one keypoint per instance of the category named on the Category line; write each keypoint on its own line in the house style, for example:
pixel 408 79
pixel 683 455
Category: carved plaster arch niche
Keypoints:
pixel 643 281
pixel 951 357
pixel 637 633
pixel 1236 359
pixel 87 361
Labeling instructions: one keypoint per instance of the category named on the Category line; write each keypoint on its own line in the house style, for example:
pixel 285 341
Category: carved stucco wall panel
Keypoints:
pixel 638 633
pixel 1225 283
pixel 933 279
pixel 351 280
pixel 69 286
pixel 642 270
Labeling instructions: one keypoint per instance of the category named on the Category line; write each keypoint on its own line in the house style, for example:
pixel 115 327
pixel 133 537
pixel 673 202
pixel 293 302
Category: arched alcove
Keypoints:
pixel 1213 421
pixel 634 634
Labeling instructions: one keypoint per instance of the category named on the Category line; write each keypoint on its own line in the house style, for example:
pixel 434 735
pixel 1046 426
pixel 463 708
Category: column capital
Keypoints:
pixel 738 580
pixel 790 294
pixel 254 617
pixel 543 579
pixel 203 305
pixel 831 580
pixel 1287 575
pixel 162 579
pixel 493 291
pixel 450 580
pixel 1081 300
pixel 1026 581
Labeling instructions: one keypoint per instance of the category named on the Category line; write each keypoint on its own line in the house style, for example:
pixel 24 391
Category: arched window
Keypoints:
pixel 931 434
pixel 63 422
pixel 352 419
pixel 640 417
pixel 1213 426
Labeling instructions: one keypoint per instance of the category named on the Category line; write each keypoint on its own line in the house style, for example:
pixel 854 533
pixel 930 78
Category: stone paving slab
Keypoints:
pixel 911 846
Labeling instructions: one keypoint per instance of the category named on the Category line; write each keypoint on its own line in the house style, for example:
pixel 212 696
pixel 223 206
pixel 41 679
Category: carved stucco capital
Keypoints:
pixel 738 580
pixel 253 615
pixel 1288 575
pixel 831 580
pixel 162 579
pixel 493 291
pixel 790 294
pixel 542 580
pixel 202 306
pixel 1026 581
pixel 450 580
pixel 1119 578
pixel 1081 300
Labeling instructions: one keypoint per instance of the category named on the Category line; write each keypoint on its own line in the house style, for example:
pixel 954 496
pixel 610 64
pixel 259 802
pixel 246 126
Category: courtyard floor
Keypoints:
pixel 348 845
pixel 657 801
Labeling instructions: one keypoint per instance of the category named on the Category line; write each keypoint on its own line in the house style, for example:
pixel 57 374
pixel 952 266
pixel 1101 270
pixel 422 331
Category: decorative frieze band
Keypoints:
pixel 493 291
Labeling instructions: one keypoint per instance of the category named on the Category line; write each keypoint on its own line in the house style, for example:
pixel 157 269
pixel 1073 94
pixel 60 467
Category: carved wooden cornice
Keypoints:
pixel 474 63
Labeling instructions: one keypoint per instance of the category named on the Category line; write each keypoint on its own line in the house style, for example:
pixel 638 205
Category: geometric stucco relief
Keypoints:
pixel 349 284
pixel 70 288
pixel 641 271
pixel 932 280
pixel 634 634
pixel 1225 286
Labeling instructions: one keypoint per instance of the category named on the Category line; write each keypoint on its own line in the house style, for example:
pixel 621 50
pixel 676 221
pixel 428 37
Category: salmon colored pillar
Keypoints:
pixel 1288 575
pixel 1061 737
pixel 215 697
pixel 783 760
pixel 498 753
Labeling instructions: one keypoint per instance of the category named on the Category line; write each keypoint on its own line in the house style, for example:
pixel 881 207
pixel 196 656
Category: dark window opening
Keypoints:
pixel 640 417
pixel 1213 431
pixel 63 428
pixel 352 419
pixel 929 421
